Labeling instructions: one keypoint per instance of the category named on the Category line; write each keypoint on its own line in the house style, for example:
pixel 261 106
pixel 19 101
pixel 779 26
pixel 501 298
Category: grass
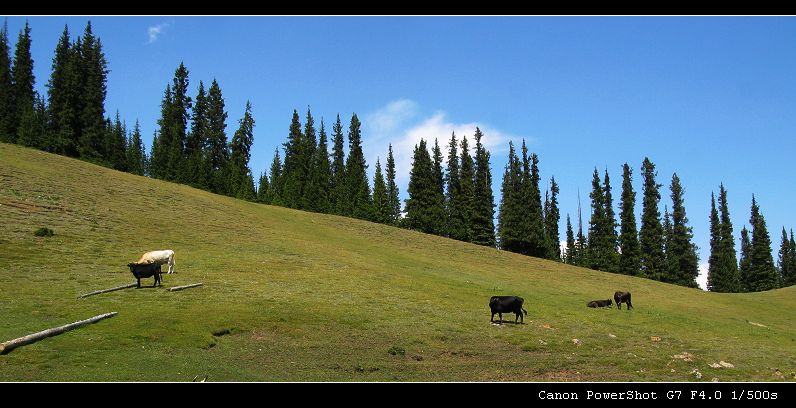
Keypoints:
pixel 296 296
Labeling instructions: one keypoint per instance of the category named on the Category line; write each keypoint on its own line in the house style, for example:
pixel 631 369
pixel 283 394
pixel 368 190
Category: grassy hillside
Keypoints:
pixel 318 297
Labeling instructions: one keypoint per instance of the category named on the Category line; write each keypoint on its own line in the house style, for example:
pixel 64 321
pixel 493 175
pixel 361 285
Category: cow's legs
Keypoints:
pixel 492 319
pixel 500 315
pixel 139 282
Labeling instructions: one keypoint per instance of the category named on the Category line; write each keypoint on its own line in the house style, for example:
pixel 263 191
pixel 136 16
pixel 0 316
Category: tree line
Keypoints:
pixel 449 197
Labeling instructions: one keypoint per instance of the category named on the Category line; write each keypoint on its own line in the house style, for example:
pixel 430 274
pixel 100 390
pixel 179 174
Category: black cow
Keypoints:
pixel 622 297
pixel 146 271
pixel 507 304
pixel 600 303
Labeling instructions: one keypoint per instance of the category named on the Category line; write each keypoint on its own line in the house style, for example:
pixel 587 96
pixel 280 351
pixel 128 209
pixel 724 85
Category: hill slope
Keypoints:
pixel 318 297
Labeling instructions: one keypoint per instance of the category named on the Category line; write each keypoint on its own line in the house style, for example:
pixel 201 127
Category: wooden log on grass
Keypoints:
pixel 193 285
pixel 97 292
pixel 31 338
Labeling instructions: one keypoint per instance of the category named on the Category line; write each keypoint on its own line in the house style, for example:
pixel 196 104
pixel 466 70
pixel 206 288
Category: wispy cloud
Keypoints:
pixel 155 31
pixel 400 123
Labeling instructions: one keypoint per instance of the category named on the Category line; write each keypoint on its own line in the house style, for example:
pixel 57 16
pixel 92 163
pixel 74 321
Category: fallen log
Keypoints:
pixel 31 338
pixel 97 292
pixel 193 285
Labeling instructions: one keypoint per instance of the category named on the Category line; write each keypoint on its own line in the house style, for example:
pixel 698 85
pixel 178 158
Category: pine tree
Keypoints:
pixel 381 210
pixel 63 99
pixel 240 178
pixel 581 246
pixel 357 188
pixel 681 253
pixel 159 154
pixel 667 234
pixel 569 256
pixel 727 261
pixel 314 197
pixel 466 199
pixel 115 145
pixel 93 71
pixel 651 233
pixel 628 236
pixel 23 80
pixel 196 169
pixel 7 106
pixel 762 273
pixel 338 185
pixel 438 207
pixel 552 216
pixel 274 195
pixel 509 212
pixel 217 148
pixel 484 204
pixel 393 203
pixel 609 228
pixel 317 197
pixel 136 156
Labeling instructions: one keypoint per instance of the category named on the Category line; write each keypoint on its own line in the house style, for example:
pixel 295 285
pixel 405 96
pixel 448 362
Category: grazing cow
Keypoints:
pixel 165 256
pixel 600 303
pixel 506 304
pixel 622 297
pixel 145 271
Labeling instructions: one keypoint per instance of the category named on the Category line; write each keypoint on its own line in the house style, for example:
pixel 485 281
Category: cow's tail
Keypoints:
pixel 526 312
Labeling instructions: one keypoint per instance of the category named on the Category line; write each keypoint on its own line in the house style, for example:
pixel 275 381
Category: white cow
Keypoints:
pixel 165 256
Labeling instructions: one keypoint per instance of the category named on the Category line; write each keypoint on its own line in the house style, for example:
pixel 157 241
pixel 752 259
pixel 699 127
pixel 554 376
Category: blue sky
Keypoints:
pixel 712 99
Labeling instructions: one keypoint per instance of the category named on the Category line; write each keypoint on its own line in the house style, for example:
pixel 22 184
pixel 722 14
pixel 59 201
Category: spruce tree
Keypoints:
pixel 115 145
pixel 484 204
pixel 651 232
pixel 628 236
pixel 552 216
pixel 240 178
pixel 317 197
pixel 762 273
pixel 569 256
pixel 509 212
pixel 745 263
pixel 32 126
pixel 274 195
pixel 294 178
pixel 609 228
pixel 531 214
pixel 597 256
pixel 783 261
pixel 217 148
pixel 263 189
pixel 581 245
pixel 466 199
pixel 393 203
pixel 715 278
pixel 791 279
pixel 159 155
pixel 23 80
pixel 93 72
pixel 196 169
pixel 727 261
pixel 667 234
pixel 63 98
pixel 338 184
pixel 136 156
pixel 438 208
pixel 454 227
pixel 681 253
pixel 7 106
pixel 422 192
pixel 310 198
pixel 381 210
pixel 357 188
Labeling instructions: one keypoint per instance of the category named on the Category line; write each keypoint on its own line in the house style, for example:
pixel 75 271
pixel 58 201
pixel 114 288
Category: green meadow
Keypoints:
pixel 296 296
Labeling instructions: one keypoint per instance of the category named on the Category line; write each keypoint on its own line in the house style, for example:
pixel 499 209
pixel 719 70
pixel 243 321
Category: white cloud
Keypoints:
pixel 702 279
pixel 155 31
pixel 394 124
